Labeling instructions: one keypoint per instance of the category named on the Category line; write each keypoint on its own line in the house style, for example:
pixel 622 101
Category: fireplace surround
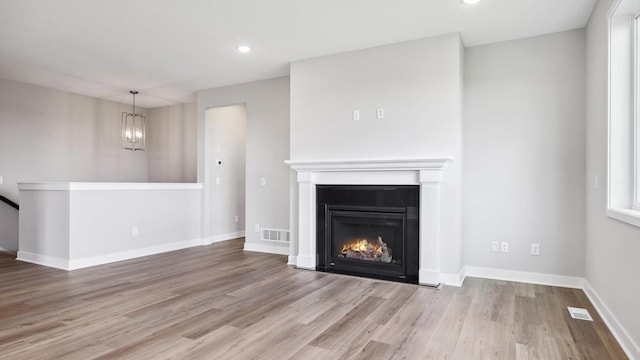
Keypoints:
pixel 427 173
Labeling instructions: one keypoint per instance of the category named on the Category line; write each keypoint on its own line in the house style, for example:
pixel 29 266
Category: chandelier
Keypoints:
pixel 133 128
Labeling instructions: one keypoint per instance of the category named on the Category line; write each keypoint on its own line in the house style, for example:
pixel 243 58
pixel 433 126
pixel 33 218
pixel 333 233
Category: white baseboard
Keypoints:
pixel 85 262
pixel 292 260
pixel 526 277
pixel 266 248
pixel 429 277
pixel 131 254
pixel 454 279
pixel 629 346
pixel 43 260
pixel 222 237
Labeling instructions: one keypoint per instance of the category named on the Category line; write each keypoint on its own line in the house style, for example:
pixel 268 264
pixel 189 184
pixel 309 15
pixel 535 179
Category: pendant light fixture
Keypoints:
pixel 133 128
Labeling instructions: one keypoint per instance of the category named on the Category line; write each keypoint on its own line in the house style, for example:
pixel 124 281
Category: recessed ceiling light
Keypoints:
pixel 470 2
pixel 244 49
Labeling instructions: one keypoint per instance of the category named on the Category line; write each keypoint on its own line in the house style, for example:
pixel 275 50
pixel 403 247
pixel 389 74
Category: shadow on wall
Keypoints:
pixel 8 228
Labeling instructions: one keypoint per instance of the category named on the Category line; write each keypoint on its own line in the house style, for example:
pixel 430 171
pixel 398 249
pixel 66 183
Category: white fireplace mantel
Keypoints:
pixel 425 172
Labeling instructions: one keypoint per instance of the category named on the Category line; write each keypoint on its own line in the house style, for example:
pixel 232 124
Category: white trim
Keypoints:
pixel 454 279
pixel 429 277
pixel 367 164
pixel 43 260
pixel 223 237
pixel 630 347
pixel 292 260
pixel 266 248
pixel 104 259
pixel 622 108
pixel 630 216
pixel 636 113
pixel 525 277
pixel 67 186
pixel 425 172
pixel 130 254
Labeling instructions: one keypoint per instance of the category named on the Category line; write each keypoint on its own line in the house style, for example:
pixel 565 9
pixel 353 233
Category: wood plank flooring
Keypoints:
pixel 218 302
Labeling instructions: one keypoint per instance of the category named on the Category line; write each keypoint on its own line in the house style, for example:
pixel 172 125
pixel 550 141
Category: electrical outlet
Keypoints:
pixel 263 181
pixel 504 246
pixel 356 115
pixel 257 228
pixel 1 180
pixel 135 231
pixel 535 249
pixel 237 218
pixel 495 246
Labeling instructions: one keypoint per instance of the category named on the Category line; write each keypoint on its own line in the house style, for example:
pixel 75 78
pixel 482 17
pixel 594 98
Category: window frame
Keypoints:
pixel 636 111
pixel 623 160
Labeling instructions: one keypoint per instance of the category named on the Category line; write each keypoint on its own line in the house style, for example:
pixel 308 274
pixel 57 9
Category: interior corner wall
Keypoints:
pixel 267 106
pixel 171 143
pixel 612 247
pixel 524 154
pixel 52 135
pixel 417 83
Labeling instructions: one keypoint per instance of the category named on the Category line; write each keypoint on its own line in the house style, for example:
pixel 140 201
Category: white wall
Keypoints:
pixel 267 104
pixel 225 148
pixel 172 143
pixel 61 226
pixel 51 135
pixel 612 247
pixel 164 218
pixel 524 154
pixel 419 86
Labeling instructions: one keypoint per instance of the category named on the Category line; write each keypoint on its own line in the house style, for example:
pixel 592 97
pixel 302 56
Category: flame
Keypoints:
pixel 361 245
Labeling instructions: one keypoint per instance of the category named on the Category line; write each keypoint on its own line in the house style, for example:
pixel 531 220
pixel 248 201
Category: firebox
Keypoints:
pixel 369 231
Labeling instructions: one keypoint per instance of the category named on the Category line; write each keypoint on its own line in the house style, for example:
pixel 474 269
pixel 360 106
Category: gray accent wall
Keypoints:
pixel 418 84
pixel 524 154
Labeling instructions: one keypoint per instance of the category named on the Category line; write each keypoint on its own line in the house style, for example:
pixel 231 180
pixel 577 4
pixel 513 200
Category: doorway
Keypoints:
pixel 225 149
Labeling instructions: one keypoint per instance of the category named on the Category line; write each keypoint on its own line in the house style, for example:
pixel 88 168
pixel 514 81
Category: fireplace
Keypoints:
pixel 368 230
pixel 424 173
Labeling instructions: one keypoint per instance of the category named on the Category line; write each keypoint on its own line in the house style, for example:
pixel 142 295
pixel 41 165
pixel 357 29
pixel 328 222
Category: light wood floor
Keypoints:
pixel 218 302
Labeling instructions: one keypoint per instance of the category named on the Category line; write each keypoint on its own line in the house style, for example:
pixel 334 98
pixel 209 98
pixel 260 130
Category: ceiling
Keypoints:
pixel 169 49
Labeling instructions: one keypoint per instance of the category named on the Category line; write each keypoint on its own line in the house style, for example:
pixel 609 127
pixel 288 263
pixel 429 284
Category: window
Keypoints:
pixel 624 112
pixel 636 42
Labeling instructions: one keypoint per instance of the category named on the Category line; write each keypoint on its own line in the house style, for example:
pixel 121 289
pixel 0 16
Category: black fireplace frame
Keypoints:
pixel 376 202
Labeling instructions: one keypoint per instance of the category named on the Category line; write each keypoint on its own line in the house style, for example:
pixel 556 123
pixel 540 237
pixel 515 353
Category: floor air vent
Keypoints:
pixel 276 235
pixel 579 313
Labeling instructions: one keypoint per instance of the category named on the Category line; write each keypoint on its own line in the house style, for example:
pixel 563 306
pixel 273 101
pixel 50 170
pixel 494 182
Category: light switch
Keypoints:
pixel 356 114
pixel 380 113
pixel 263 181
